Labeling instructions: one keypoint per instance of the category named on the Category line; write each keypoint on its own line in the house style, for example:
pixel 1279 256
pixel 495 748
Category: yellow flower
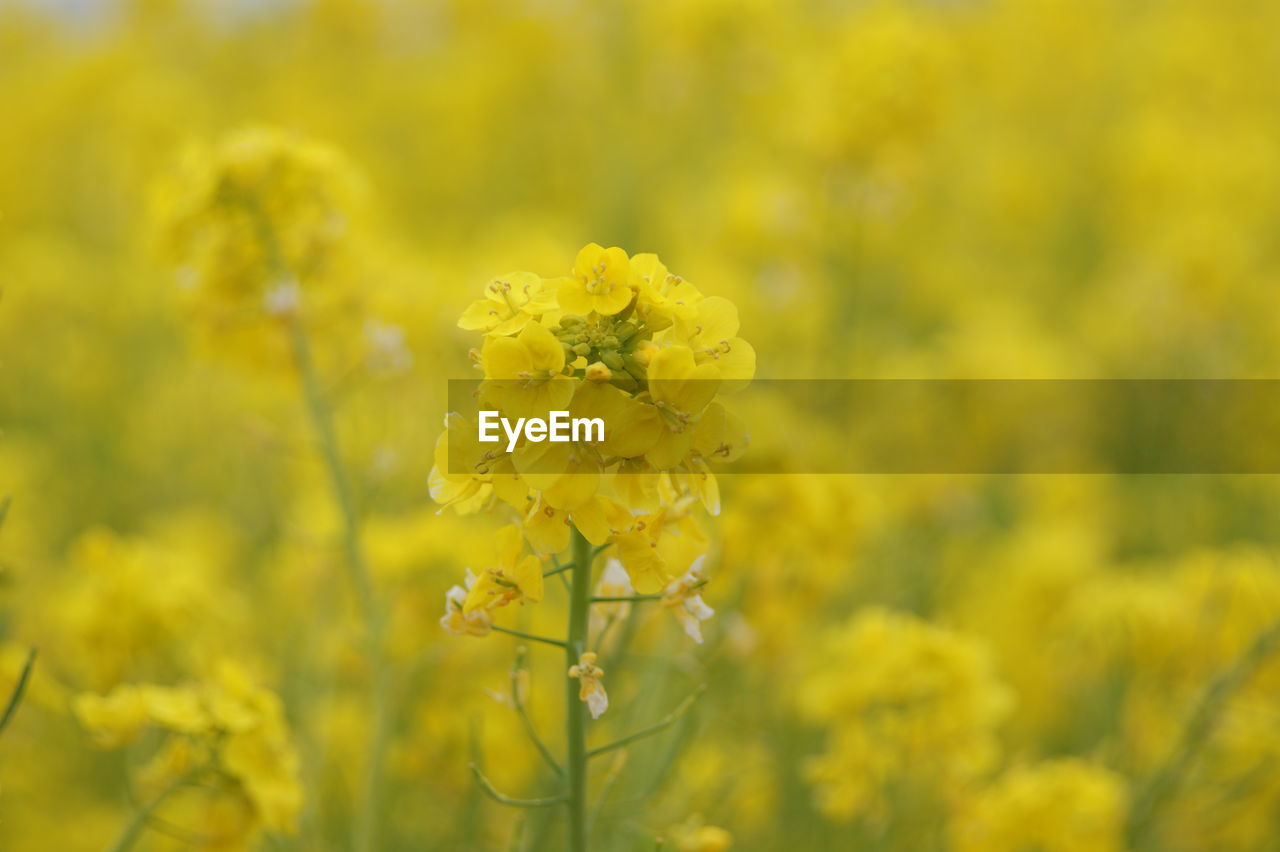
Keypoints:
pixel 178 708
pixel 682 600
pixel 466 474
pixel 1057 806
pixel 265 763
pixel 510 302
pixel 546 527
pixel 513 578
pixel 525 373
pixel 907 701
pixel 262 201
pixel 238 727
pixel 601 282
pixel 696 836
pixel 590 689
pixel 663 297
pixel 613 583
pixel 114 719
pixel 681 388
pixel 457 620
pixel 711 331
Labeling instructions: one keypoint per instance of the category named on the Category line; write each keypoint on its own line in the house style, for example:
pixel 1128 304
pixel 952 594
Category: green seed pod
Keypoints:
pixel 624 381
pixel 612 359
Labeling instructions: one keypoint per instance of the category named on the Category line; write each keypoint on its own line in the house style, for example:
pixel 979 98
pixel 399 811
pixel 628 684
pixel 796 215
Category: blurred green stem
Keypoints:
pixel 1199 727
pixel 661 725
pixel 353 548
pixel 523 635
pixel 134 829
pixel 575 709
pixel 322 422
pixel 517 701
pixel 15 698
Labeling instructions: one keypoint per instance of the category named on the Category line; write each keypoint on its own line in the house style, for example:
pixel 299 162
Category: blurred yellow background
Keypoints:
pixel 937 188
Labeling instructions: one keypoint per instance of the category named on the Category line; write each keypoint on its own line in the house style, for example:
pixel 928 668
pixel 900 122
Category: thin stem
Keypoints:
pixel 492 793
pixel 663 723
pixel 624 598
pixel 518 703
pixel 531 637
pixel 575 709
pixel 353 549
pixel 559 569
pixel 4 508
pixel 322 422
pixel 1199 727
pixel 138 824
pixel 16 697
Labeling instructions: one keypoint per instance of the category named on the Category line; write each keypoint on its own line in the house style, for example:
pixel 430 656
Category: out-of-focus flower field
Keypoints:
pixel 219 415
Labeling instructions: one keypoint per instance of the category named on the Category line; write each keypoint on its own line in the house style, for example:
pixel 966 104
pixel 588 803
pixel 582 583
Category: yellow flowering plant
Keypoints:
pixel 226 740
pixel 221 381
pixel 623 340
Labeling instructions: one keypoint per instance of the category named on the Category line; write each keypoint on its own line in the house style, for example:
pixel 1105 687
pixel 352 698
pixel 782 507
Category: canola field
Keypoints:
pixel 261 588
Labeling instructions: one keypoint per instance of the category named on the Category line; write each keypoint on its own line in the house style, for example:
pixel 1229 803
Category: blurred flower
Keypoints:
pixel 591 690
pixel 1059 806
pixel 682 599
pixel 905 703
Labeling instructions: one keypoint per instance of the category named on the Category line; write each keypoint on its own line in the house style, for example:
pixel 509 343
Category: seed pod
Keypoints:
pixel 612 359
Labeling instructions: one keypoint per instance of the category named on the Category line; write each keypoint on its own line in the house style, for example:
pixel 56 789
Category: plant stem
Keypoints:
pixel 575 709
pixel 15 698
pixel 529 727
pixel 502 799
pixel 134 829
pixel 530 636
pixel 353 549
pixel 625 598
pixel 1203 718
pixel 322 422
pixel 663 723
pixel 559 569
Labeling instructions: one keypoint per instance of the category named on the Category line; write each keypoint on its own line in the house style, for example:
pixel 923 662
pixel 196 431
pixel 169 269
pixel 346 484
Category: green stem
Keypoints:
pixel 322 422
pixel 575 709
pixel 529 727
pixel 559 569
pixel 492 793
pixel 16 697
pixel 625 598
pixel 663 723
pixel 1201 724
pixel 353 549
pixel 530 636
pixel 138 824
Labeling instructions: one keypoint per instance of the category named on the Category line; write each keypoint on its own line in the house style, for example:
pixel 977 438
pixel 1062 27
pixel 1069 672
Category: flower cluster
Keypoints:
pixel 908 704
pixel 620 339
pixel 226 727
pixel 263 200
pixel 1056 806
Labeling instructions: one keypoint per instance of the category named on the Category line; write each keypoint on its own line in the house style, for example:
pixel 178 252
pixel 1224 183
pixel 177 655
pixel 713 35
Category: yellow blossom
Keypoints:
pixel 600 282
pixel 682 599
pixel 515 577
pixel 590 689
